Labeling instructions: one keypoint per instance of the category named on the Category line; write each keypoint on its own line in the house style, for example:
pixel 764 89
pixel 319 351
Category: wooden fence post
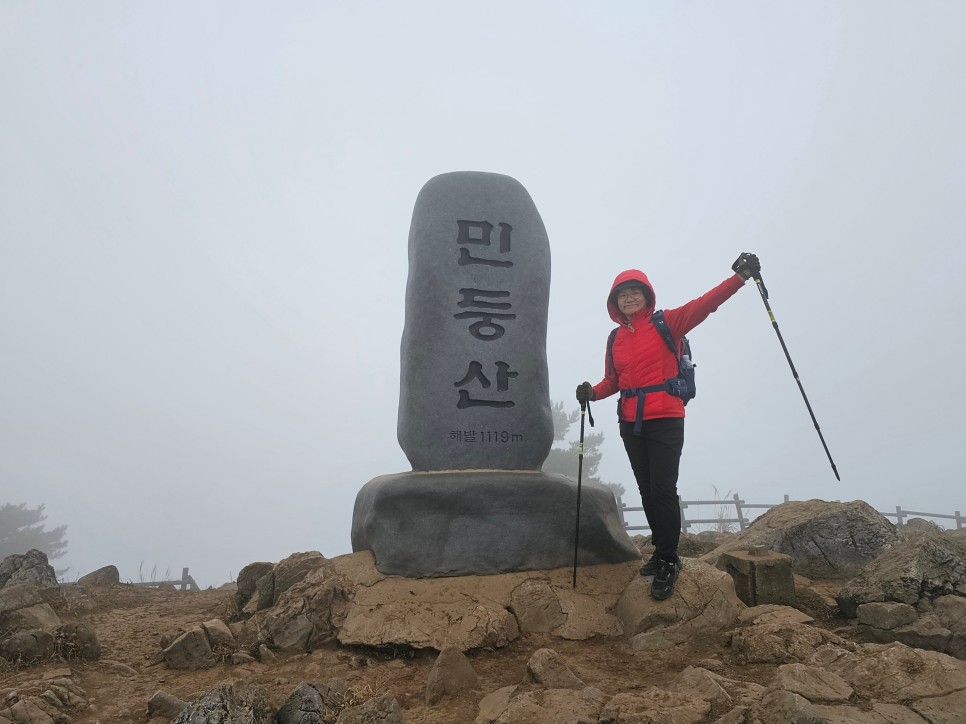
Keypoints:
pixel 684 521
pixel 738 514
pixel 898 515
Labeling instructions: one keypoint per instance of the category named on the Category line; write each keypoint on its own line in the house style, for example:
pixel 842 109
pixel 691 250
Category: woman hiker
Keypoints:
pixel 638 364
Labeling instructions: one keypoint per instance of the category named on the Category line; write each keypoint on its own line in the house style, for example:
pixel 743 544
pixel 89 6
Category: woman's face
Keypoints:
pixel 630 300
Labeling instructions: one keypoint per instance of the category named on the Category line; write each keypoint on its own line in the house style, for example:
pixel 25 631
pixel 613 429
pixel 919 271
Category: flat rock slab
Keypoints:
pixel 459 523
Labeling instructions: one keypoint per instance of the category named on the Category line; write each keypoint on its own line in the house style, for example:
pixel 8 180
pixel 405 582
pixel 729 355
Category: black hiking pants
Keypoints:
pixel 654 456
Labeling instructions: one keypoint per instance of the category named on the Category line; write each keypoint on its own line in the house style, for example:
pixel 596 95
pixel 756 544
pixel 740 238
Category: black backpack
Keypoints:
pixel 681 386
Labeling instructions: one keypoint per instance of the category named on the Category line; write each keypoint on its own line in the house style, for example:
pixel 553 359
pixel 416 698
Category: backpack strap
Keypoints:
pixel 658 320
pixel 610 351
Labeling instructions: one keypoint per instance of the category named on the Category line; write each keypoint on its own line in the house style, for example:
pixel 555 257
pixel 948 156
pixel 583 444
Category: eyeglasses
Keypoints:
pixel 632 293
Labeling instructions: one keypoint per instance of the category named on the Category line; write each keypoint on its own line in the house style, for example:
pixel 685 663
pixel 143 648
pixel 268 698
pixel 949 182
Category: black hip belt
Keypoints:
pixel 640 393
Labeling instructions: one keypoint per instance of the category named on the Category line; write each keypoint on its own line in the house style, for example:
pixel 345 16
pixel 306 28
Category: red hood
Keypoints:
pixel 631 275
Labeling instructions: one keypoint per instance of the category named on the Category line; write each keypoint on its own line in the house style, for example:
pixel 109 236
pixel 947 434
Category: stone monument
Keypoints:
pixel 474 403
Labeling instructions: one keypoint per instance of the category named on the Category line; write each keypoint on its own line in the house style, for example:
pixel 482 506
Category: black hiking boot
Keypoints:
pixel 649 568
pixel 663 584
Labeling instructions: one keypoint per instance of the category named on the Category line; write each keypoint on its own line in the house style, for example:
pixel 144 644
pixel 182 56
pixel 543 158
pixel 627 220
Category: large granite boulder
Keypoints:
pixel 451 675
pixel 703 603
pixel 261 584
pixel 105 576
pixel 27 647
pixel 348 599
pixel 30 567
pixel 923 566
pixel 22 608
pixel 825 540
pixel 894 673
pixel 914 594
pixel 314 703
pixel 236 702
pixel 199 647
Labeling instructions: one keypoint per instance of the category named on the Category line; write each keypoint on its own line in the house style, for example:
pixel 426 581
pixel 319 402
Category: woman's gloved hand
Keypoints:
pixel 585 392
pixel 747 266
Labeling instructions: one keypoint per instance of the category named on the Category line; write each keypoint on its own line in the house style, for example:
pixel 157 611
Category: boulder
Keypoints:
pixel 17 596
pixel 106 576
pixel 703 684
pixel 27 647
pixel 703 602
pixel 220 637
pixel 349 600
pixel 494 704
pixel 951 611
pixel 924 633
pixel 781 643
pixel 549 669
pixel 824 540
pixel 378 710
pixel 30 567
pixel 292 570
pixel 77 641
pixel 166 705
pixel 314 703
pixel 886 615
pixel 190 650
pixel 236 702
pixel 451 674
pixel 247 580
pixel 314 610
pixel 40 615
pixel 261 585
pixel 893 673
pixel 919 525
pixel 815 684
pixel 560 706
pixel 923 566
pixel 782 707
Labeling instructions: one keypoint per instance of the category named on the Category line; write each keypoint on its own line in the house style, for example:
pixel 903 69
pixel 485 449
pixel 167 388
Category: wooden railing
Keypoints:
pixel 743 521
pixel 186 582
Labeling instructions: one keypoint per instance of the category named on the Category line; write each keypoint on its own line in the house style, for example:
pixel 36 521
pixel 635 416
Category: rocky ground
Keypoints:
pixel 130 622
pixel 875 634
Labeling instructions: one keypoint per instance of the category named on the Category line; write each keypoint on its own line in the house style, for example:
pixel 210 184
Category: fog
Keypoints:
pixel 204 211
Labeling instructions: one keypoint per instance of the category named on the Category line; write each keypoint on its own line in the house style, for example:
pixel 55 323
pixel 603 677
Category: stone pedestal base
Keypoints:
pixel 460 523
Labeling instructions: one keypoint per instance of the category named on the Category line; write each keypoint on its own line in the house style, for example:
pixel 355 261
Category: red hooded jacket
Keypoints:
pixel 641 356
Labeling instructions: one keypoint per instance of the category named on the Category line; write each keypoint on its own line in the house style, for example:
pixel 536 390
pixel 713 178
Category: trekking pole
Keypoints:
pixel 584 407
pixel 764 297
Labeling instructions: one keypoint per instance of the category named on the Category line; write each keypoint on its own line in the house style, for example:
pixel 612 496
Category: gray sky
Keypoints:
pixel 204 211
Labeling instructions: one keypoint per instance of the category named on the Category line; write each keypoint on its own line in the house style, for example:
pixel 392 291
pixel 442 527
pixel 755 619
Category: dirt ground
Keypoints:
pixel 130 622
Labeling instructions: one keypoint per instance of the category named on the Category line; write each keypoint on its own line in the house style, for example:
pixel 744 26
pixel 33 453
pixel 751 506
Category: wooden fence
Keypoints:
pixel 186 582
pixel 743 521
